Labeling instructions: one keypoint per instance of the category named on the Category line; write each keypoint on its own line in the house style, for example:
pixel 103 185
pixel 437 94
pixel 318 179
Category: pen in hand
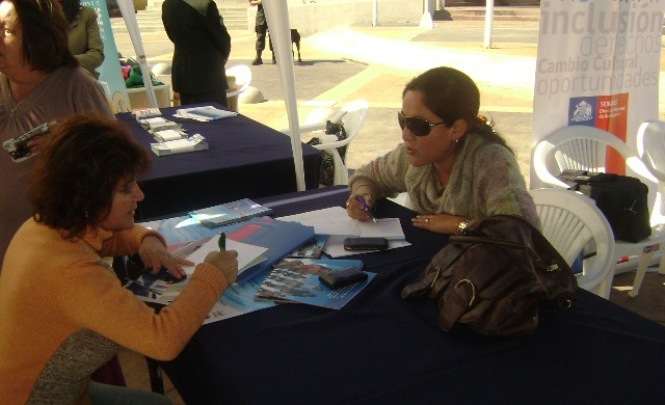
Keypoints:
pixel 361 200
pixel 221 242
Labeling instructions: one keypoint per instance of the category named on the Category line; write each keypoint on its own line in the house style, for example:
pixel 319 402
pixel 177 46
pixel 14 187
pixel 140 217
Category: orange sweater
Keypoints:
pixel 54 291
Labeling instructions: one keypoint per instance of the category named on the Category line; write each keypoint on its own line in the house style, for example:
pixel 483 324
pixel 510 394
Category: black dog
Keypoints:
pixel 295 40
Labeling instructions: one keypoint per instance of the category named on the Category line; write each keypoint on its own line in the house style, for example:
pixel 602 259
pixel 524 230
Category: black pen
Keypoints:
pixel 221 242
pixel 361 200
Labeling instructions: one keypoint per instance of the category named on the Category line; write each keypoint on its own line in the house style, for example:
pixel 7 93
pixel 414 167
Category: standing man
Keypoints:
pixel 261 28
pixel 202 47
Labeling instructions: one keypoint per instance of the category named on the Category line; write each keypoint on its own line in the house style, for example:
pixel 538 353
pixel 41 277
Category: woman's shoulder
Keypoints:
pixel 87 12
pixel 483 147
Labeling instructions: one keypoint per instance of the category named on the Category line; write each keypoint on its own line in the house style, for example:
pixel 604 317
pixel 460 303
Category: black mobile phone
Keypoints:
pixel 365 244
pixel 337 279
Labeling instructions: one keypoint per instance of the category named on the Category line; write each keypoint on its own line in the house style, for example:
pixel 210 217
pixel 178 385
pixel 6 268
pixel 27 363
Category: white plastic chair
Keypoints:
pixel 243 75
pixel 580 147
pixel 352 116
pixel 651 149
pixel 573 224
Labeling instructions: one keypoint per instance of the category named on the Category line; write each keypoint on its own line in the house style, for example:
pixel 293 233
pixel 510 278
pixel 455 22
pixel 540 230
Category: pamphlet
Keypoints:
pixel 17 147
pixel 193 143
pixel 204 114
pixel 312 249
pixel 297 281
pixel 152 288
pixel 229 212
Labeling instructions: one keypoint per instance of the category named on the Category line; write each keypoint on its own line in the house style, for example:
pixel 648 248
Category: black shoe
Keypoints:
pixel 257 61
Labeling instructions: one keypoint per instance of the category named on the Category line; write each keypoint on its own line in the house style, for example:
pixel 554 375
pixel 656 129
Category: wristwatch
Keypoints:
pixel 462 226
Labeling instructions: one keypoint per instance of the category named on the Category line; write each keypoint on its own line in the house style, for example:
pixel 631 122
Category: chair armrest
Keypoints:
pixel 319 126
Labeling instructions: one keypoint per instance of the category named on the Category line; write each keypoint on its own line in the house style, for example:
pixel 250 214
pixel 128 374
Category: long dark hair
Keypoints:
pixel 452 95
pixel 45 34
pixel 72 183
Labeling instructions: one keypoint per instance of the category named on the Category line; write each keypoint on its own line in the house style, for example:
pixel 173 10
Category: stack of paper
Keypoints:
pixel 194 143
pixel 335 222
pixel 204 114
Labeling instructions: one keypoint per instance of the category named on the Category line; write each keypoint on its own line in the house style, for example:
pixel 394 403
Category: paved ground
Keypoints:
pixel 374 63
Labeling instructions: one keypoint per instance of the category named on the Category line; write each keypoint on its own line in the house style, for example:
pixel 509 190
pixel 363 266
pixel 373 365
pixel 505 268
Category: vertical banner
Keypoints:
pixel 110 75
pixel 598 64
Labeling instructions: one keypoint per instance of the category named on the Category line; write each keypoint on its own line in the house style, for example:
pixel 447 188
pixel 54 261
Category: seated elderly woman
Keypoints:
pixel 40 82
pixel 452 164
pixel 66 310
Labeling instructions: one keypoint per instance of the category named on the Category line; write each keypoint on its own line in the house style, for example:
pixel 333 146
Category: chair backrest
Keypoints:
pixel 243 75
pixel 352 116
pixel 576 147
pixel 651 149
pixel 573 225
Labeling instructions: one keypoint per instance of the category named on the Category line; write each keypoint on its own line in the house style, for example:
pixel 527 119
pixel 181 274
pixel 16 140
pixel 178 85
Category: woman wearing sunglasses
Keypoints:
pixel 452 164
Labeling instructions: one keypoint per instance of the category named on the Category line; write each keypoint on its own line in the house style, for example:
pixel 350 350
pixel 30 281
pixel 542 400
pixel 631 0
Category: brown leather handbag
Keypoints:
pixel 492 277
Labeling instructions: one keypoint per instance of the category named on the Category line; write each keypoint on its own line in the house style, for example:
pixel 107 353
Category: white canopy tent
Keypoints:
pixel 277 13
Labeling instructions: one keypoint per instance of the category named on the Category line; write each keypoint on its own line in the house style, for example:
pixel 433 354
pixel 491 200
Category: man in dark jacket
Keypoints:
pixel 202 47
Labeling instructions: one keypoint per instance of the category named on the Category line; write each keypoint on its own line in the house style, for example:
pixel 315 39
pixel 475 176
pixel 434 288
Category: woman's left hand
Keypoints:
pixel 155 256
pixel 439 223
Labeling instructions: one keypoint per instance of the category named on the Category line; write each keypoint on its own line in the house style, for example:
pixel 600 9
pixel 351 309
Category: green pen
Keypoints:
pixel 221 242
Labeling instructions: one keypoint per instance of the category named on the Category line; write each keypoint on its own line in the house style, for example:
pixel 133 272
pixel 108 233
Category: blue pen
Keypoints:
pixel 361 200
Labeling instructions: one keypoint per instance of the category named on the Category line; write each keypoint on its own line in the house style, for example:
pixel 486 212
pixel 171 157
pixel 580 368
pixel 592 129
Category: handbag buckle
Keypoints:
pixel 473 290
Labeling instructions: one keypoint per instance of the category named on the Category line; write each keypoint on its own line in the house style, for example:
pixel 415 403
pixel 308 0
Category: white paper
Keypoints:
pixel 335 221
pixel 247 254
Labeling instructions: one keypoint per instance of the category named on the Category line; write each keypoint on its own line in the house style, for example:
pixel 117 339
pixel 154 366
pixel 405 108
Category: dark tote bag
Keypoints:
pixel 622 199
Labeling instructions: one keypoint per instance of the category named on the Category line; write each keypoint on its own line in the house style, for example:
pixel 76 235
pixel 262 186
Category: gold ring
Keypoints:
pixel 348 203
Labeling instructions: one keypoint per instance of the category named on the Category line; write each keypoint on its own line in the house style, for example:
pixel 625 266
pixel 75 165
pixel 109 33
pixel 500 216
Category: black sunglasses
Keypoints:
pixel 416 125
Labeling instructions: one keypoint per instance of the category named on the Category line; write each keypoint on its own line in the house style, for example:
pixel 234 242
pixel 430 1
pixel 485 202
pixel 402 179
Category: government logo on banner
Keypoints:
pixel 598 64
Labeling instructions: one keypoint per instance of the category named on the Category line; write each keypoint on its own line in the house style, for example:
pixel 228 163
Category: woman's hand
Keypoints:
pixel 356 210
pixel 439 223
pixel 155 256
pixel 226 262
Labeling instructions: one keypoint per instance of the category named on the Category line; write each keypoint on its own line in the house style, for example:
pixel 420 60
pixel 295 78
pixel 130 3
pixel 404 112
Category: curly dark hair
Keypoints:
pixel 84 157
pixel 45 34
pixel 452 95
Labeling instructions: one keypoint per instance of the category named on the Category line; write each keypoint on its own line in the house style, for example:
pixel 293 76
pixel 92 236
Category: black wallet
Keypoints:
pixel 337 279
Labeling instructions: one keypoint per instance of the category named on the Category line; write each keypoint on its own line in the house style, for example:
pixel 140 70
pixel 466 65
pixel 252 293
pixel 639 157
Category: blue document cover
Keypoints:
pixel 230 212
pixel 296 280
pixel 279 237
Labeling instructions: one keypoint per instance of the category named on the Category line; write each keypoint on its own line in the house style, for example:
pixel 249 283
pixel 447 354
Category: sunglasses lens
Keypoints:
pixel 401 119
pixel 417 126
